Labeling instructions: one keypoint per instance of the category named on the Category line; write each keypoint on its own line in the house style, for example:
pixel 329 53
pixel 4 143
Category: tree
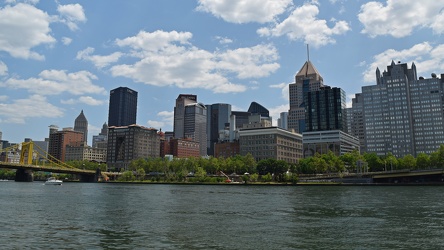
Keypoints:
pixel 407 162
pixel 437 158
pixel 374 162
pixel 422 161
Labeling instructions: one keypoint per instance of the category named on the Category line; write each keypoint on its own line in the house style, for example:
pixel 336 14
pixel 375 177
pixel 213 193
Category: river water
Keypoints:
pixel 139 216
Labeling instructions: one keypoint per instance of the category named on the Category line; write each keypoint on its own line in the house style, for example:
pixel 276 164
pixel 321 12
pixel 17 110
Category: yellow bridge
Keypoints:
pixel 28 163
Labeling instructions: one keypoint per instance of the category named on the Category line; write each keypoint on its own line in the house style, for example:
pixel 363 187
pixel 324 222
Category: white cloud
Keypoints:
pixel 54 82
pixel 66 40
pixel 3 69
pixel 22 109
pixel 85 100
pixel 426 58
pixel 245 11
pixel 168 58
pixel 224 40
pixel 98 61
pixel 71 14
pixel 166 121
pixel 303 24
pixel 399 18
pixel 284 90
pixel 23 27
pixel 3 98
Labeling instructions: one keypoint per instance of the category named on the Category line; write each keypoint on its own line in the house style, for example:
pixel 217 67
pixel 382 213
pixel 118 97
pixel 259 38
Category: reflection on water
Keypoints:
pixel 125 216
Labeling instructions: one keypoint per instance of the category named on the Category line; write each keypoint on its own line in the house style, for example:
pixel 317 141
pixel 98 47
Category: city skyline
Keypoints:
pixel 57 59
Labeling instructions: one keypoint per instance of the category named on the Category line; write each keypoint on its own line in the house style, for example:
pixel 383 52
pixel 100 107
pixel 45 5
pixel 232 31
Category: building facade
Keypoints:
pixel 179 113
pixel 283 120
pixel 306 80
pixel 336 141
pixel 355 120
pixel 59 140
pixel 195 125
pixel 403 114
pixel 271 142
pixel 122 107
pixel 85 153
pixel 127 143
pixel 218 118
pixel 101 140
pixel 81 125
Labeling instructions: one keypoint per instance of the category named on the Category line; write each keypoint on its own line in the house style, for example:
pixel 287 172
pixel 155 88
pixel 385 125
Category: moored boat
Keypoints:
pixel 53 181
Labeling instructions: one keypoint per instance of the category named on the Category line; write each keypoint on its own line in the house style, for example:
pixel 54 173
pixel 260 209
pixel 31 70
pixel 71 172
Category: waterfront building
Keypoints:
pixel 271 142
pixel 183 148
pixel 226 149
pixel 179 113
pixel 403 114
pixel 122 107
pixel 195 125
pixel 218 118
pixel 325 110
pixel 85 153
pixel 283 120
pixel 81 125
pixel 127 143
pixel 306 80
pixel 336 141
pixel 59 140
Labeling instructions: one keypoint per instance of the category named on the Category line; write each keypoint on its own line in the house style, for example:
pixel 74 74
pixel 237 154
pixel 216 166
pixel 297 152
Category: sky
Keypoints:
pixel 58 58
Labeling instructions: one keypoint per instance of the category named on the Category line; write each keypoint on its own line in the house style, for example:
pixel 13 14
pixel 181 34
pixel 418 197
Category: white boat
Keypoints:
pixel 53 181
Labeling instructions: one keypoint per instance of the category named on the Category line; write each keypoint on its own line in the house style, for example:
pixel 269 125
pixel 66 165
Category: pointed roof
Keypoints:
pixel 307 69
pixel 81 117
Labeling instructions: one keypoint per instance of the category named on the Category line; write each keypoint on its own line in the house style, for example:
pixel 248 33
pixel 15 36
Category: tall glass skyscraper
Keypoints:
pixel 218 118
pixel 122 107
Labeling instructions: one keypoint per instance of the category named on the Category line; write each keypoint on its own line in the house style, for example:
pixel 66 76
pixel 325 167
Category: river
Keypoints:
pixel 138 216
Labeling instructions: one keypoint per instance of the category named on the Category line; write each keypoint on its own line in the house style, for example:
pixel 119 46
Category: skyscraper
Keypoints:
pixel 306 80
pixel 195 125
pixel 218 118
pixel 325 110
pixel 283 120
pixel 122 107
pixel 403 114
pixel 179 113
pixel 81 125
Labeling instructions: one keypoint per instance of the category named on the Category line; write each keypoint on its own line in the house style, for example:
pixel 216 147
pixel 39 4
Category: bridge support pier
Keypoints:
pixel 22 175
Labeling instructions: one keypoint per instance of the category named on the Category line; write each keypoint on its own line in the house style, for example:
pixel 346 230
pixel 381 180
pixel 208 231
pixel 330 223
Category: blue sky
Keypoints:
pixel 60 57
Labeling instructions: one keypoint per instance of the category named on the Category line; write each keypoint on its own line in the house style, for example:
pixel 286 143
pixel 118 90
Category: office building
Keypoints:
pixel 122 107
pixel 81 125
pixel 218 118
pixel 127 143
pixel 85 153
pixel 59 140
pixel 257 109
pixel 271 142
pixel 283 120
pixel 306 80
pixel 195 125
pixel 179 113
pixel 355 120
pixel 101 140
pixel 403 114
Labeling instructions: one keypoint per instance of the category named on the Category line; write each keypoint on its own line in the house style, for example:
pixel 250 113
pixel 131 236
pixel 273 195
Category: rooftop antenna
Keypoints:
pixel 308 54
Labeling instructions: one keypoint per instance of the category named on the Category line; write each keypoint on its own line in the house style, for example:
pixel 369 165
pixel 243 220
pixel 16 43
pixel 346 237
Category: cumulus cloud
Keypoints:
pixel 284 90
pixel 3 69
pixel 54 82
pixel 66 40
pixel 71 14
pixel 23 27
pixel 169 58
pixel 165 122
pixel 303 24
pixel 98 61
pixel 245 11
pixel 426 57
pixel 223 40
pixel 34 106
pixel 85 100
pixel 399 18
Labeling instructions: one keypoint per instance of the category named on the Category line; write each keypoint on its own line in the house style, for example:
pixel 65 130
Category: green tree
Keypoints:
pixel 407 162
pixel 437 158
pixel 422 161
pixel 375 163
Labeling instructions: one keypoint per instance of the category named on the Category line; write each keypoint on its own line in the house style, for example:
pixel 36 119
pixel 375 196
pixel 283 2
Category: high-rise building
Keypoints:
pixel 283 120
pixel 306 80
pixel 325 110
pixel 122 107
pixel 257 109
pixel 59 140
pixel 218 118
pixel 403 114
pixel 355 120
pixel 195 125
pixel 81 125
pixel 100 140
pixel 179 113
pixel 127 143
